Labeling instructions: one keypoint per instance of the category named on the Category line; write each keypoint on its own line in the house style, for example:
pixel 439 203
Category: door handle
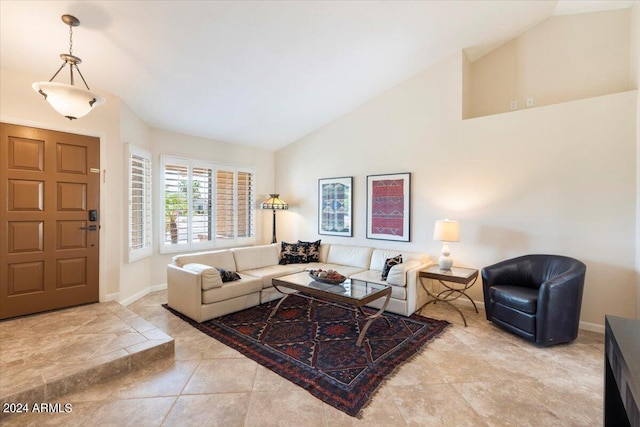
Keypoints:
pixel 90 228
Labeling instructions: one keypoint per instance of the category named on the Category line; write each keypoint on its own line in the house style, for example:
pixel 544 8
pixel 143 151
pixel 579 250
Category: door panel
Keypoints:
pixel 49 249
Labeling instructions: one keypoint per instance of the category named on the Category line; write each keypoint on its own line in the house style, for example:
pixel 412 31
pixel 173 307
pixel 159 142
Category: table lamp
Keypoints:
pixel 446 231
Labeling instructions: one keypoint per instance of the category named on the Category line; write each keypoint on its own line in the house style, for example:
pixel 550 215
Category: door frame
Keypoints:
pixel 102 259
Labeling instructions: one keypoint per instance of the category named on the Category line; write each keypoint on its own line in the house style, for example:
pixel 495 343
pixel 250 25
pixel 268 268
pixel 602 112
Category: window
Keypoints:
pixel 140 223
pixel 205 205
pixel 234 206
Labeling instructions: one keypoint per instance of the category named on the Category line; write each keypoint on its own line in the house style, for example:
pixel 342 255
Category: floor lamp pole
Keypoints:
pixel 273 238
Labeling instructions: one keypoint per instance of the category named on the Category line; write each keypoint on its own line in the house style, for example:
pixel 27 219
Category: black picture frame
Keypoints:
pixel 335 206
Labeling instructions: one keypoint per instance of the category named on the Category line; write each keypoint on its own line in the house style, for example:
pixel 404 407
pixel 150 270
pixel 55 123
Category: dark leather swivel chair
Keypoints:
pixel 535 296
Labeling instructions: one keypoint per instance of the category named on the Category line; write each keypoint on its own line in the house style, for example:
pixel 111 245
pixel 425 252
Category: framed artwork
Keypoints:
pixel 388 207
pixel 335 202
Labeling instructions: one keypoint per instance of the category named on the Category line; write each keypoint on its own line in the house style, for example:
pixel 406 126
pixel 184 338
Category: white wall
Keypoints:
pixel 564 58
pixel 116 124
pixel 191 147
pixel 135 277
pixel 556 179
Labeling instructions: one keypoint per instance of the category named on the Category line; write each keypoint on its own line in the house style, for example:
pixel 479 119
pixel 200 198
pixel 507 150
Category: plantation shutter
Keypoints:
pixel 245 204
pixel 140 213
pixel 176 207
pixel 201 202
pixel 225 204
pixel 205 205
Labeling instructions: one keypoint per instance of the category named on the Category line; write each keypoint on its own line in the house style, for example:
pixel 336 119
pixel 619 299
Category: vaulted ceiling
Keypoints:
pixel 258 73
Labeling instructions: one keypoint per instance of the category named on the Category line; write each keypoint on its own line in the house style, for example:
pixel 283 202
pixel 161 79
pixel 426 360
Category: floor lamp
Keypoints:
pixel 274 202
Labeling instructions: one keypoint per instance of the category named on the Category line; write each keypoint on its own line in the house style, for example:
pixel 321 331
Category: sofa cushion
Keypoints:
pixel 269 272
pixel 312 250
pixel 223 259
pixel 255 257
pixel 209 276
pixel 292 253
pixel 379 256
pixel 324 252
pixel 352 256
pixel 373 276
pixel 246 285
pixel 390 262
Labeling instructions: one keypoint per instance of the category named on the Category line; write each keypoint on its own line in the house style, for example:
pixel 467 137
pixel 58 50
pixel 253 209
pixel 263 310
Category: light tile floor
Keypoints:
pixel 474 376
pixel 47 355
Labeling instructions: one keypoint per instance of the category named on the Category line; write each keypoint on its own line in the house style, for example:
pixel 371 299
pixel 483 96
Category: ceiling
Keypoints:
pixel 257 73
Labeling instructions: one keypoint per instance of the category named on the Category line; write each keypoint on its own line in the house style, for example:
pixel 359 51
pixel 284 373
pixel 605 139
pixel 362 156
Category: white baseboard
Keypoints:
pixel 140 294
pixel 111 297
pixel 593 327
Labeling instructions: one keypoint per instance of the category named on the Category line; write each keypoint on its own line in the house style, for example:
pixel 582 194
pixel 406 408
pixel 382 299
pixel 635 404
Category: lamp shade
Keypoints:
pixel 70 101
pixel 446 231
pixel 274 202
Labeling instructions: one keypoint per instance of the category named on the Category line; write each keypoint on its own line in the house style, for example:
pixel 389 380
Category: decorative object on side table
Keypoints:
pixel 274 203
pixel 335 201
pixel 456 281
pixel 446 231
pixel 389 206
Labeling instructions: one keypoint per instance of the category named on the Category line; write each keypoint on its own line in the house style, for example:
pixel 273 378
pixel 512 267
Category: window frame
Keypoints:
pixel 147 208
pixel 191 244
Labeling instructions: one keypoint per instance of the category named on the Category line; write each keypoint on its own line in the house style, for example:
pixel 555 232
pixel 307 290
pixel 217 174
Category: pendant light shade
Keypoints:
pixel 69 100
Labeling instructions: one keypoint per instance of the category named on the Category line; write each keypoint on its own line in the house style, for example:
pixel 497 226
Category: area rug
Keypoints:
pixel 313 344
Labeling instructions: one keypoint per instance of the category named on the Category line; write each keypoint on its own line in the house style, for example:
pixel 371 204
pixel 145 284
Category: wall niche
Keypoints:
pixel 562 59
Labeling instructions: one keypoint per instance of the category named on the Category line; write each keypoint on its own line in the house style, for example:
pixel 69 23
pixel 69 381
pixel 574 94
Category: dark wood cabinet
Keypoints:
pixel 621 372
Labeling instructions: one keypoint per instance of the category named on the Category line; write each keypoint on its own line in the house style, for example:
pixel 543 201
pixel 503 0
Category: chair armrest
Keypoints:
pixel 184 291
pixel 559 304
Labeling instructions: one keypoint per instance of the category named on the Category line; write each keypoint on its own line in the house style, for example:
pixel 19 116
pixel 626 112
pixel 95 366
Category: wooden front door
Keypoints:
pixel 49 238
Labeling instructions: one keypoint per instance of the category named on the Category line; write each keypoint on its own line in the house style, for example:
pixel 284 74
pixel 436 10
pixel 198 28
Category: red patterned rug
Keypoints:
pixel 313 344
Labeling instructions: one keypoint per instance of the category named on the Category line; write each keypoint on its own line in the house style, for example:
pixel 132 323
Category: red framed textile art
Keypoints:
pixel 389 207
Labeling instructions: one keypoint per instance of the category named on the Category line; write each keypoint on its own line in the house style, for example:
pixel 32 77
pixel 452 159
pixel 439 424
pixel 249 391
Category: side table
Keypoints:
pixel 455 281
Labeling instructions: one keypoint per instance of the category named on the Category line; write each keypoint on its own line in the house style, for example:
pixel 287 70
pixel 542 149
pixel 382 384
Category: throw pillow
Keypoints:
pixel 312 250
pixel 228 275
pixel 390 262
pixel 292 253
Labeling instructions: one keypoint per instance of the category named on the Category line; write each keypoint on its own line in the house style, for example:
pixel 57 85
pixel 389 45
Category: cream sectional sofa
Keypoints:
pixel 195 289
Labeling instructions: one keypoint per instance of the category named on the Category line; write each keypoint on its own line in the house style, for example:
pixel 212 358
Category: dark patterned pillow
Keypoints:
pixel 312 249
pixel 292 253
pixel 390 262
pixel 228 276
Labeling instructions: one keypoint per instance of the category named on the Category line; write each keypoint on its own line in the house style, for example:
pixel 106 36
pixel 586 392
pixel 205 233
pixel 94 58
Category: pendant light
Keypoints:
pixel 69 100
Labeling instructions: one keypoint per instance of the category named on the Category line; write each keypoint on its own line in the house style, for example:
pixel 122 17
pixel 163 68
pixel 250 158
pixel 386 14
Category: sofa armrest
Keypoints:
pixel 184 292
pixel 414 288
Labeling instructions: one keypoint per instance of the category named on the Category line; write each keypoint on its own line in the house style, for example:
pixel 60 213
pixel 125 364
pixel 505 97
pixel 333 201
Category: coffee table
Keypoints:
pixel 355 293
